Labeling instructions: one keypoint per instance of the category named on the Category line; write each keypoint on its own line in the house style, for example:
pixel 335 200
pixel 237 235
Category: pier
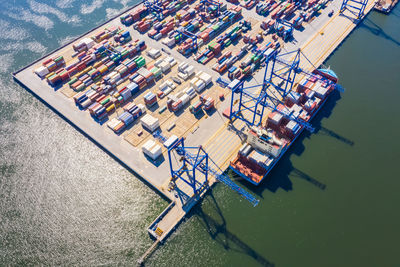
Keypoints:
pixel 220 138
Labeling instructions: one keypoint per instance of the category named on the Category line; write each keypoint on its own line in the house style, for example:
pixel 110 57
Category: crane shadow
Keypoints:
pixel 328 132
pixel 308 178
pixel 216 228
pixel 377 30
pixel 240 132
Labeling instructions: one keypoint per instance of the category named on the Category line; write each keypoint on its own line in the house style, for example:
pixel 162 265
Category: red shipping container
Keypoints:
pixel 47 61
pixel 76 84
pixel 223 69
pixel 81 66
pixel 101 98
pixel 72 71
pixel 65 76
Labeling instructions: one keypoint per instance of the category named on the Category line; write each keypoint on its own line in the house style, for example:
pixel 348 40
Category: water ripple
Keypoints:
pixel 41 8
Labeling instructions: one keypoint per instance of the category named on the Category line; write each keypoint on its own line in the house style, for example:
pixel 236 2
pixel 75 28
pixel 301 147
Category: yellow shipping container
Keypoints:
pixel 103 69
pixel 50 74
pixel 87 70
pixel 110 108
pixel 97 64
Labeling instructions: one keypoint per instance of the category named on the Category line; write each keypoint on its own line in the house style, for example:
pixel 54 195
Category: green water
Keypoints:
pixel 331 201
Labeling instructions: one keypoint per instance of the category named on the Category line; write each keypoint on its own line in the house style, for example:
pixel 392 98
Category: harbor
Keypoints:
pixel 221 144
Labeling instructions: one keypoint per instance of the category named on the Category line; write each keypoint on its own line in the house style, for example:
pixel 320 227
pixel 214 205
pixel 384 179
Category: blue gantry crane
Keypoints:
pixel 266 99
pixel 114 54
pixel 194 167
pixel 357 6
pixel 211 3
pixel 183 34
pixel 283 28
pixel 154 6
pixel 252 104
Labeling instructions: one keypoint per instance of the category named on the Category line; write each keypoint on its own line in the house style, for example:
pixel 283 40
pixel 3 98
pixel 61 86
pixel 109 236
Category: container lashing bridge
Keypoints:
pixel 194 167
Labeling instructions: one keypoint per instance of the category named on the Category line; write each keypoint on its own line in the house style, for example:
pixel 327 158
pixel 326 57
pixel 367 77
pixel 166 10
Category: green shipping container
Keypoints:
pixel 105 101
pixel 73 80
pixel 141 63
pixel 138 59
pixel 52 77
pixel 58 59
pixel 96 79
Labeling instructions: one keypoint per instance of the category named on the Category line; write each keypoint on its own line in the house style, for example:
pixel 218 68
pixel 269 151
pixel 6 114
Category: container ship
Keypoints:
pixel 266 144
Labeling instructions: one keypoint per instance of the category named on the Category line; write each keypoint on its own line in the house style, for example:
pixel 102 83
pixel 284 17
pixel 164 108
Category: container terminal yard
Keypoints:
pixel 180 91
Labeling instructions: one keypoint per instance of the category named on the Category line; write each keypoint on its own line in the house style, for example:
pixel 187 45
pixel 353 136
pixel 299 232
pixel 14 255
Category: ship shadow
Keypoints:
pixel 280 176
pixel 215 225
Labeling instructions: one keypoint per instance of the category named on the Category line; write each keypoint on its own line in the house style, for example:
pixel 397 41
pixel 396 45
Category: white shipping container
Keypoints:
pixel 116 75
pixel 185 99
pixel 189 70
pixel 88 42
pixel 169 90
pixel 86 103
pixel 182 66
pixel 206 78
pixel 154 53
pixel 193 81
pixel 149 122
pixel 199 86
pixel 158 62
pixel 165 66
pixel 164 86
pixel 170 141
pixel 171 61
pixel 113 123
pixel 151 149
pixel 142 108
pixel 170 42
pixel 171 84
pixel 183 76
pixel 190 91
pixel 42 71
